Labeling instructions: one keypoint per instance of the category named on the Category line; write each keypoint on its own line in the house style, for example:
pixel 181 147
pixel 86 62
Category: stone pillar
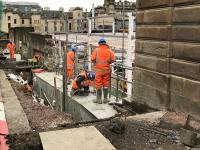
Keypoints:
pixel 130 54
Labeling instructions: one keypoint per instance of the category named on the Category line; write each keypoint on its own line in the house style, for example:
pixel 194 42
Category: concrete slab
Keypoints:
pixel 84 138
pixel 99 111
pixel 151 118
pixel 14 113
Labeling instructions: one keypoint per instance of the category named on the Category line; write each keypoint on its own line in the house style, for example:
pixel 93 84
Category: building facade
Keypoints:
pixel 115 7
pixel 42 22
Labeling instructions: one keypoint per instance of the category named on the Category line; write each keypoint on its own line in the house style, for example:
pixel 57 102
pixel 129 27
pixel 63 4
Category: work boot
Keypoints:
pixel 98 98
pixel 105 93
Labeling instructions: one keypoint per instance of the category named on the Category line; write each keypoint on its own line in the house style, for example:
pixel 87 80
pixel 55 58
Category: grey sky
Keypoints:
pixel 55 4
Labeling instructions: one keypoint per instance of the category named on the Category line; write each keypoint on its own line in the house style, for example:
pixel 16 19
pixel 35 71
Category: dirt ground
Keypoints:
pixel 135 137
pixel 40 117
pixel 132 136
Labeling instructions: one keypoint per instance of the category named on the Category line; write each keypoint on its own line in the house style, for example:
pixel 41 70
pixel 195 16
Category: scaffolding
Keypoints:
pixel 122 70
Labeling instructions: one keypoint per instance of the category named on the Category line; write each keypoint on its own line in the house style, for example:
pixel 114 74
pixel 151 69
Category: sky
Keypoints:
pixel 55 4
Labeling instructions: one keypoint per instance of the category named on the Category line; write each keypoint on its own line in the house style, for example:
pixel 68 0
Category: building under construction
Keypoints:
pixel 154 91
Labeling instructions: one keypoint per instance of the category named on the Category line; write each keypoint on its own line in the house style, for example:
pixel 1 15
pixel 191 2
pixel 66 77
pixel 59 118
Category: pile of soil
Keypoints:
pixel 40 117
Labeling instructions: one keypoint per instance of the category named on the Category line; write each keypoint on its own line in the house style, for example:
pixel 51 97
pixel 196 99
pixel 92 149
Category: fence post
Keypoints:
pixel 117 85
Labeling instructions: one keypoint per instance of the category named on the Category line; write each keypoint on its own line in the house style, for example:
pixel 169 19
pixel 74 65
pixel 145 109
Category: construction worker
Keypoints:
pixel 70 62
pixel 11 47
pixel 102 57
pixel 83 80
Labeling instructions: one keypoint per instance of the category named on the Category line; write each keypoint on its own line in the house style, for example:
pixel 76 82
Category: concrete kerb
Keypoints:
pixel 15 116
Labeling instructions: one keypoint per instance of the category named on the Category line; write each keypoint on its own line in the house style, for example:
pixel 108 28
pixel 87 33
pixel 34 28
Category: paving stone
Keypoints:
pixel 188 137
pixel 157 48
pixel 153 63
pixel 173 120
pixel 89 138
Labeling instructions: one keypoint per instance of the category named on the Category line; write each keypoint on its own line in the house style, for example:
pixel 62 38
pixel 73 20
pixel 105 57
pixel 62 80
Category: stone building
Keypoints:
pixel 115 7
pixel 77 20
pixel 45 21
pixel 23 7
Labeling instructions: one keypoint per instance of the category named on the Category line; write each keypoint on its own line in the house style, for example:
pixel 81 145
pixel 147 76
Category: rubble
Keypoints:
pixel 188 137
pixel 173 120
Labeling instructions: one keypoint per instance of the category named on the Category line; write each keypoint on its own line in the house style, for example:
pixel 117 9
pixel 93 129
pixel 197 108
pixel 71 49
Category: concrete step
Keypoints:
pixel 84 138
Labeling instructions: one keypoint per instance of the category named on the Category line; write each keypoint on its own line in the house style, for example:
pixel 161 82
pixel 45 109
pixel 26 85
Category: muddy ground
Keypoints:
pixel 132 136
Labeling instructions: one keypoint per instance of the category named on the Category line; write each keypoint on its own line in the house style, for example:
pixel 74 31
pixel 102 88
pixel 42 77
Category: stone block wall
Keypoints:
pixel 167 72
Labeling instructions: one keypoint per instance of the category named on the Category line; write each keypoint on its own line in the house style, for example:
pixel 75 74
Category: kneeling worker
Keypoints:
pixel 83 80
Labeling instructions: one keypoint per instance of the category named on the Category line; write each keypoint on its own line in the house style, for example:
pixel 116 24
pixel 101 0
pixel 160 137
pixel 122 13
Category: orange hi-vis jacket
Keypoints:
pixel 84 83
pixel 70 60
pixel 70 64
pixel 102 57
pixel 11 47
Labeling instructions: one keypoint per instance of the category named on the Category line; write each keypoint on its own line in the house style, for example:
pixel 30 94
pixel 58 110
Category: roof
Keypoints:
pixel 52 14
pixel 77 8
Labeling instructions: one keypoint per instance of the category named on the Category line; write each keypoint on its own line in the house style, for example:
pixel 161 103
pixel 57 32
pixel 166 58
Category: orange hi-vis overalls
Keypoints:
pixel 70 64
pixel 102 57
pixel 84 83
pixel 11 47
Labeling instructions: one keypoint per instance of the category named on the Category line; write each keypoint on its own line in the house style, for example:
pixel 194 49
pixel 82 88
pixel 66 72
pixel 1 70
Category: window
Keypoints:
pixel 9 25
pixel 55 28
pixel 30 21
pixel 22 21
pixel 9 18
pixel 46 28
pixel 70 26
pixel 15 21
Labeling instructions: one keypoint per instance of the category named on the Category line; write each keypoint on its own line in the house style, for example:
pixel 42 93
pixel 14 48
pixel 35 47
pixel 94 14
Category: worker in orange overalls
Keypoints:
pixel 102 57
pixel 83 80
pixel 11 46
pixel 70 62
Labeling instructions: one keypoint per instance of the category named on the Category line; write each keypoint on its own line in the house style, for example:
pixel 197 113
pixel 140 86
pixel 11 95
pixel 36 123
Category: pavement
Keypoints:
pixel 3 126
pixel 14 113
pixel 84 138
pixel 85 103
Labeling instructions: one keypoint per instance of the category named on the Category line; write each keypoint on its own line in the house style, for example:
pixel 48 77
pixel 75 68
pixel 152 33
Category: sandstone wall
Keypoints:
pixel 167 72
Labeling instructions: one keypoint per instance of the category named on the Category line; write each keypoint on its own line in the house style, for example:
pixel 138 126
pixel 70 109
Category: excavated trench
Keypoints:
pixel 43 118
